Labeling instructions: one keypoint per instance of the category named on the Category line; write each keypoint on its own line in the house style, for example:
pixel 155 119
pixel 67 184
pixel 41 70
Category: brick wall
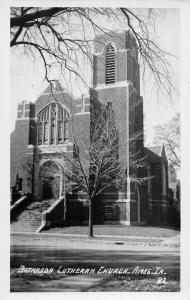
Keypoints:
pixel 21 137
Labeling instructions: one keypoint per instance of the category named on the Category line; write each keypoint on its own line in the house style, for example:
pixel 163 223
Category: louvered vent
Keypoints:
pixel 110 64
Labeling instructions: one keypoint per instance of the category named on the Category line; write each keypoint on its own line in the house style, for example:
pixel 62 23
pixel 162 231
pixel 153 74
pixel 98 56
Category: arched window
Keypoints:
pixel 110 64
pixel 52 125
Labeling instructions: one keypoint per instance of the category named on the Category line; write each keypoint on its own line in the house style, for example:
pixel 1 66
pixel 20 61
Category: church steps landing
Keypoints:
pixel 30 219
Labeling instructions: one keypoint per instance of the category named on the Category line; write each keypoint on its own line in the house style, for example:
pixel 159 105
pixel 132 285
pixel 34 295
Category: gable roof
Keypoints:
pixel 155 153
pixel 51 94
pixel 156 149
pixel 56 88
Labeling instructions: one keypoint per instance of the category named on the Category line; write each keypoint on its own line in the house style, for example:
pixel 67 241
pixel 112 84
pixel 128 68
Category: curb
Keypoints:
pixel 94 242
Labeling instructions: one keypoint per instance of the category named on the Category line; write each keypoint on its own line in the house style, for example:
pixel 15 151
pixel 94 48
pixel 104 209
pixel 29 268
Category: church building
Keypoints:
pixel 43 135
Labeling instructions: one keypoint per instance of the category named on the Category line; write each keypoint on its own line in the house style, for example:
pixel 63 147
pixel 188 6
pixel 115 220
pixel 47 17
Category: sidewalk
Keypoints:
pixel 112 243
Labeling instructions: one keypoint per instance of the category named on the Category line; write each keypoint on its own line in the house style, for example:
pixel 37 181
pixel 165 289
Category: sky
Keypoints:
pixel 27 78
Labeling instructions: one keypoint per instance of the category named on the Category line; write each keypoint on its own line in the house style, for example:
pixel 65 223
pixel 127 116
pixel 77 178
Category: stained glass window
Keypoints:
pixel 52 124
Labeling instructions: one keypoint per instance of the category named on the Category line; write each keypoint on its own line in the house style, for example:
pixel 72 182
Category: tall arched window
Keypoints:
pixel 52 125
pixel 110 64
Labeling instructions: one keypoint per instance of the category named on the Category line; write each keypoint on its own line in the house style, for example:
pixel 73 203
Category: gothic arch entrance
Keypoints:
pixel 50 181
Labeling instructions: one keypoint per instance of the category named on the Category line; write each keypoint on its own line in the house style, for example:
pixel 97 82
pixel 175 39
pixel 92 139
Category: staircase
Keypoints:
pixel 30 219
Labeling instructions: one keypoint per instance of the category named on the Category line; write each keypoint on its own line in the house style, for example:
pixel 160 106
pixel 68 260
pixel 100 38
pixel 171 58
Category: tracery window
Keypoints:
pixel 110 64
pixel 52 125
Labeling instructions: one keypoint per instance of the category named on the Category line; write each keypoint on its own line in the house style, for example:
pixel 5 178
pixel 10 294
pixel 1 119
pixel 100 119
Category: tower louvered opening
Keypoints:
pixel 110 64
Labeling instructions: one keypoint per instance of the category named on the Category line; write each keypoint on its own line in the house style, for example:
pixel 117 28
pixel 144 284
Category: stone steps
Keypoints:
pixel 30 219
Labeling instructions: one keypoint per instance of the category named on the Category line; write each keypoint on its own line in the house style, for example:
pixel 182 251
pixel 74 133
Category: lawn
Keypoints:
pixel 118 230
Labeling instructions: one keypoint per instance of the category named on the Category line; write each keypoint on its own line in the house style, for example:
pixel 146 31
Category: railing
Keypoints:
pixel 18 206
pixel 54 215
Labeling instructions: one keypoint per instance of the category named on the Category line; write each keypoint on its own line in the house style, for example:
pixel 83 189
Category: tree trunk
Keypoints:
pixel 90 218
pixel 65 209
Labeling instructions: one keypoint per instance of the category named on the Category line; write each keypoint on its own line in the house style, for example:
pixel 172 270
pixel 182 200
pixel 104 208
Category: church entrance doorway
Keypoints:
pixel 47 192
pixel 50 181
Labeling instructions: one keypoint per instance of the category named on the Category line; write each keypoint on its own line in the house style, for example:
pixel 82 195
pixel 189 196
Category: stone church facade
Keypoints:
pixel 42 137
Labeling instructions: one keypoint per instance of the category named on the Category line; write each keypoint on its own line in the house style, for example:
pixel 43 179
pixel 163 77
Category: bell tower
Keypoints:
pixel 116 79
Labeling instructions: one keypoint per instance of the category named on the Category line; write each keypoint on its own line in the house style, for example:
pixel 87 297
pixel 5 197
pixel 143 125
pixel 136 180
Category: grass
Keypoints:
pixel 119 230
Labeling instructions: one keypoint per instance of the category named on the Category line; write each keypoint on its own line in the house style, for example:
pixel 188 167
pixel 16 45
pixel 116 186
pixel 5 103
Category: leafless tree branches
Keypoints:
pixel 96 166
pixel 61 36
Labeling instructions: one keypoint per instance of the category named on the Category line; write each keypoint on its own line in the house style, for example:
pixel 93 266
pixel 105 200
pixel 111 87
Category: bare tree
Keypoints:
pixel 60 36
pixel 96 167
pixel 169 134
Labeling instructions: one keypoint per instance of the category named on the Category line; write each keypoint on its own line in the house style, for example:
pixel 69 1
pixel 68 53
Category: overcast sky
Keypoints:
pixel 27 77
